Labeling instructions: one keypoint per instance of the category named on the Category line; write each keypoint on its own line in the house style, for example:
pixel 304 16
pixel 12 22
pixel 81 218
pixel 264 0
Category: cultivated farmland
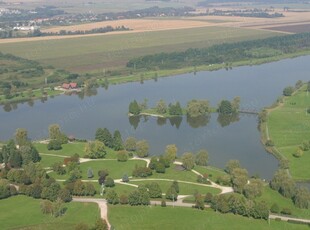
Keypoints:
pixel 94 53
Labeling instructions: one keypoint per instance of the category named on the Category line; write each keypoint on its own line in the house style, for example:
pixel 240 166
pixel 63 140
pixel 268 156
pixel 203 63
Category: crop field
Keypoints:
pixel 95 53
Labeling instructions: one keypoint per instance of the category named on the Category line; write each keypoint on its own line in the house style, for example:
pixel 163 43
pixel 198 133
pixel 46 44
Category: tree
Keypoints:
pixel 51 192
pixel 208 197
pixel 298 153
pixel 142 148
pixel 171 152
pixel 239 179
pixel 202 158
pixel 46 207
pixel 275 208
pixel 188 160
pixel 171 194
pixel 253 189
pixel 154 190
pixel 112 197
pixel 95 149
pixel 160 167
pixel 199 202
pixel 282 183
pixel 21 137
pixel 175 109
pixel 175 184
pixel 123 199
pixel 101 224
pixel 58 168
pixel 288 91
pixel 225 107
pixel 161 107
pixel 134 198
pixel 197 108
pixel 15 159
pixel 65 195
pixel 235 104
pixel 54 145
pixel 134 108
pixel 117 141
pixel 131 144
pixel 109 182
pixel 125 178
pixel 231 165
pixel 301 198
pixel 163 203
pixel 29 153
pixel 90 173
pixel 104 136
pixel 122 156
pixel 54 131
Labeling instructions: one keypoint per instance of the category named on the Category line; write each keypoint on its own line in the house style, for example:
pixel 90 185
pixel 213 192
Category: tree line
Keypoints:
pixel 224 53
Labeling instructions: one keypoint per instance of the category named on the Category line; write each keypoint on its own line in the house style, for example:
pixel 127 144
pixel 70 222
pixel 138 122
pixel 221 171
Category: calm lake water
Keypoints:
pixel 258 86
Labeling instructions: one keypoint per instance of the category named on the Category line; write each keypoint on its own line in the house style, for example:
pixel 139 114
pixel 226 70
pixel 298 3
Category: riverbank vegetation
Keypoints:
pixel 224 53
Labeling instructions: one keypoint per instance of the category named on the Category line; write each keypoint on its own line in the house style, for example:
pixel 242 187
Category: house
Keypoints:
pixel 68 86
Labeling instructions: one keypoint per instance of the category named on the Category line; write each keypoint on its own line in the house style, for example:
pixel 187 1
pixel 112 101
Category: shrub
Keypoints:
pixel 122 156
pixel 109 182
pixel 286 211
pixel 54 145
pixel 163 203
pixel 275 208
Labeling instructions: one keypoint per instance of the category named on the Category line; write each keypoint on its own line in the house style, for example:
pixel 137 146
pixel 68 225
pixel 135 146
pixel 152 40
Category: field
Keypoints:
pixel 95 53
pixel 129 218
pixel 185 189
pixel 100 6
pixel 298 28
pixel 25 213
pixel 288 127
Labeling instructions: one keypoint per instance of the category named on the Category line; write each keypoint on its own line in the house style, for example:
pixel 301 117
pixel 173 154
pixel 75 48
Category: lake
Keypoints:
pixel 258 86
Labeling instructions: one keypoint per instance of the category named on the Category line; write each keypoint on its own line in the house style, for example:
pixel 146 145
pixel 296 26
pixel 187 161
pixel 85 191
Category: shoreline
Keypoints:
pixel 155 75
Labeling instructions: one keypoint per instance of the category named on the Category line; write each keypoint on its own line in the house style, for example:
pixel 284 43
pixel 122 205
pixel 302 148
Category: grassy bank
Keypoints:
pixel 288 127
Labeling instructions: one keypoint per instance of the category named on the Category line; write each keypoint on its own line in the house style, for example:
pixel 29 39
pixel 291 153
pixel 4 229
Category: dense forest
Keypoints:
pixel 224 53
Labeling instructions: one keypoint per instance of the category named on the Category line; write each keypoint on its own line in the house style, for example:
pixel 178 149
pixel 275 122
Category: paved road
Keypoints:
pixel 102 203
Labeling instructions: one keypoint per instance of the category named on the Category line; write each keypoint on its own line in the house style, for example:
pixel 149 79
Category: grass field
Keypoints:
pixel 148 218
pixel 67 149
pixel 272 196
pixel 289 126
pixel 95 53
pixel 25 213
pixel 185 189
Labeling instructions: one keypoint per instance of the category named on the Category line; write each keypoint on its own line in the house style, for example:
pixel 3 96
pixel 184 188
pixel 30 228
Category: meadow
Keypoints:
pixel 96 54
pixel 25 213
pixel 127 218
pixel 289 125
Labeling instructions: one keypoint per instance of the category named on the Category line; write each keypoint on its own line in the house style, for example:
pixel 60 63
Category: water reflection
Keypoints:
pixel 226 120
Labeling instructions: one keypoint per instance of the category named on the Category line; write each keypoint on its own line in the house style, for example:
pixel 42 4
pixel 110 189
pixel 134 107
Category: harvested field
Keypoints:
pixel 93 53
pixel 298 28
pixel 138 25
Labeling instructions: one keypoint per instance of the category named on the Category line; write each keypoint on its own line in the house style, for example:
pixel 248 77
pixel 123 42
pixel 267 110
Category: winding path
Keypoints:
pixel 286 218
pixel 102 203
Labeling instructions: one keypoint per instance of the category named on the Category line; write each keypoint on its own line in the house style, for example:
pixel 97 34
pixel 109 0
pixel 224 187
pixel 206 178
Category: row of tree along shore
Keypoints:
pixel 194 109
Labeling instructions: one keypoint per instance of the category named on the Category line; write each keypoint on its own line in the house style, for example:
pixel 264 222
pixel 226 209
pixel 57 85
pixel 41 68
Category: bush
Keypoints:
pixel 54 145
pixel 298 153
pixel 288 91
pixel 275 208
pixel 269 143
pixel 286 211
pixel 109 182
pixel 125 178
pixel 142 172
pixel 163 203
pixel 123 199
pixel 122 156
pixel 160 167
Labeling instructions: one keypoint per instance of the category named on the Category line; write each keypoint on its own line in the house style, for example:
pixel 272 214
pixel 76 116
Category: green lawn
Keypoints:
pixel 289 126
pixel 116 169
pixel 48 161
pixel 148 218
pixel 88 54
pixel 185 189
pixel 174 174
pixel 70 149
pixel 24 212
pixel 213 172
